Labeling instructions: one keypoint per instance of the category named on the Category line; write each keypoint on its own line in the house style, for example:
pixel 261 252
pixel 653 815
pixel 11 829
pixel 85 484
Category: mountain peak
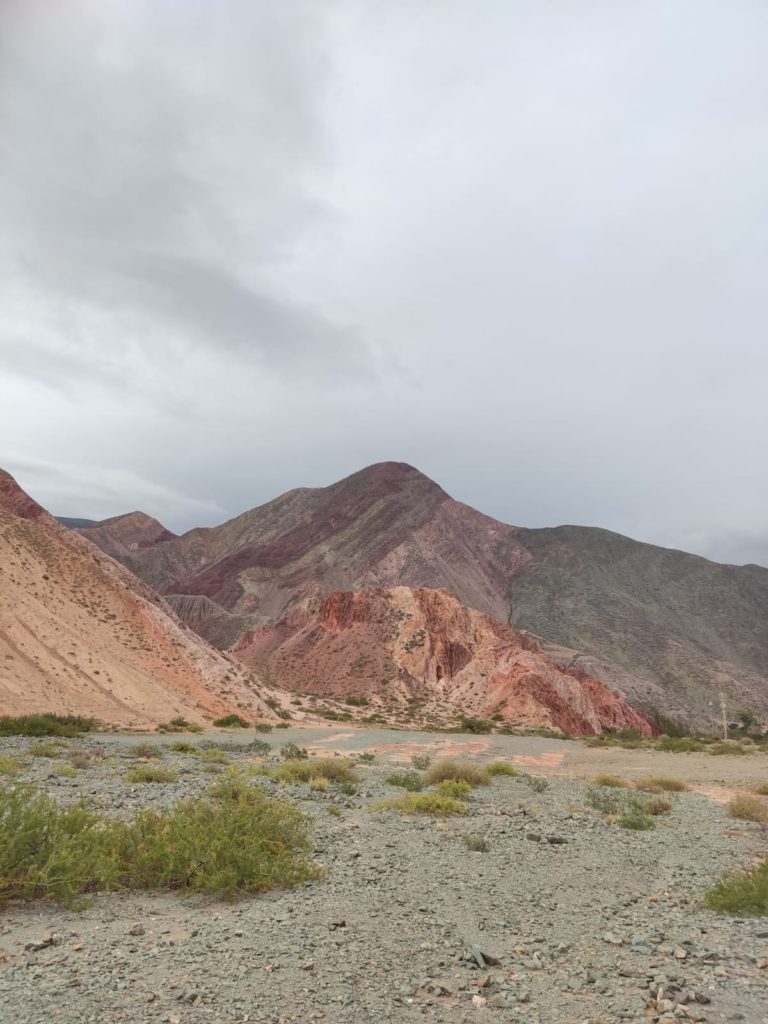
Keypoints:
pixel 388 475
pixel 16 501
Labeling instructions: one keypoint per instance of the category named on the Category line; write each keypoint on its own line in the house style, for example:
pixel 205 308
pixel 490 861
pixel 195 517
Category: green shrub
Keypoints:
pixel 367 757
pixel 67 770
pixel 636 817
pixel 421 761
pixel 357 702
pixel 537 784
pixel 46 749
pixel 179 725
pixel 260 748
pixel 262 727
pixel 463 770
pixel 748 808
pixel 146 751
pixel 293 752
pixel 230 722
pixel 679 744
pixel 476 843
pixel 657 805
pixel 150 773
pixel 80 759
pixel 335 769
pixel 761 789
pixel 10 766
pixel 605 800
pixel 501 768
pixel 726 747
pixel 474 725
pixel 282 725
pixel 407 780
pixel 46 725
pixel 422 803
pixel 183 747
pixel 456 788
pixel 741 893
pixel 334 810
pixel 626 809
pixel 213 755
pixel 348 788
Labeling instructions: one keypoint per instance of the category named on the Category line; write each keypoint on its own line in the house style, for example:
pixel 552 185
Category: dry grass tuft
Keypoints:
pixel 749 808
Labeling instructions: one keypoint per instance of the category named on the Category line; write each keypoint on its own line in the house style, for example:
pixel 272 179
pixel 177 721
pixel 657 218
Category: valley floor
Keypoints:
pixel 585 929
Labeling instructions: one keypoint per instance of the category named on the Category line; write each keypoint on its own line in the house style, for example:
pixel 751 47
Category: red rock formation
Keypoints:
pixel 401 645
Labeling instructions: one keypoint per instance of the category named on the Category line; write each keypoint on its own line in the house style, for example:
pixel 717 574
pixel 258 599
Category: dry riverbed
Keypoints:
pixel 564 918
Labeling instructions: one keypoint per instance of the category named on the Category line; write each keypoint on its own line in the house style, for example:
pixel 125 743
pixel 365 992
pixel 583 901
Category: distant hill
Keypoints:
pixel 667 628
pixel 75 524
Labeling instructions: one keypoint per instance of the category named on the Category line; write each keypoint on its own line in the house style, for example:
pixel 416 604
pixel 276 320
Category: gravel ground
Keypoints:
pixel 565 918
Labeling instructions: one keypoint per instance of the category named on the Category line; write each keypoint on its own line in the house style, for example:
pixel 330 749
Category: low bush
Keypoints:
pixel 334 810
pixel 421 761
pixel 625 809
pixel 611 781
pixel 660 784
pixel 537 784
pixel 476 843
pixel 366 757
pixel 10 766
pixel 348 788
pixel 679 744
pixel 293 752
pixel 406 780
pixel 319 783
pixel 462 770
pixel 262 727
pixel 657 805
pixel 46 749
pixel 726 747
pixel 183 747
pixel 260 748
pixel 46 725
pixel 230 722
pixel 762 789
pixel 335 769
pixel 748 808
pixel 431 804
pixel 213 755
pixel 636 816
pixel 146 751
pixel 501 768
pixel 80 759
pixel 65 769
pixel 474 725
pixel 456 788
pixel 227 845
pixel 179 725
pixel 150 773
pixel 741 893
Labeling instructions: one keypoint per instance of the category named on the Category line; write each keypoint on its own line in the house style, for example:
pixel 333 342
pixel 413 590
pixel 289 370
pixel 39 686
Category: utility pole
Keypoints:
pixel 724 714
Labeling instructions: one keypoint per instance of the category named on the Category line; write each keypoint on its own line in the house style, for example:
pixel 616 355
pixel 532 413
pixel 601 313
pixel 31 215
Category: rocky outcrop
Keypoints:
pixel 399 647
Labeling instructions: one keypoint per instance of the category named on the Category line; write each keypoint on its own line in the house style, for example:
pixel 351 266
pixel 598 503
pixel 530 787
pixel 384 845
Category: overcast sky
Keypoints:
pixel 521 244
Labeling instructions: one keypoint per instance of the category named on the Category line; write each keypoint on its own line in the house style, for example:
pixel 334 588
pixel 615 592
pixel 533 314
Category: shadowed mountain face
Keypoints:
pixel 668 629
pixel 80 634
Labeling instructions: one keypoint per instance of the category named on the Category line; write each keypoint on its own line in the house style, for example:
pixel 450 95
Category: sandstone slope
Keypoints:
pixel 419 651
pixel 79 634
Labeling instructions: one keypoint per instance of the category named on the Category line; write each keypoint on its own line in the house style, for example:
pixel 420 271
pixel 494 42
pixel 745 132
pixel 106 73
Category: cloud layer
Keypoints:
pixel 248 247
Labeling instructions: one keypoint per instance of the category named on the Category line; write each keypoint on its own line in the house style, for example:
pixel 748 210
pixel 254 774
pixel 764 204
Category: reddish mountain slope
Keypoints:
pixel 123 535
pixel 79 634
pixel 419 650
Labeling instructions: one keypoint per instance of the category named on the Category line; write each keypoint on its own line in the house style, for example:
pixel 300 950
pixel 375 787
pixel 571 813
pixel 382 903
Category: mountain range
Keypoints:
pixel 377 596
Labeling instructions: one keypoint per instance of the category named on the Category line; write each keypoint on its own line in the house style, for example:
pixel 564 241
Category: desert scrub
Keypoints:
pixel 10 766
pixel 679 744
pixel 726 747
pixel 657 805
pixel 334 810
pixel 64 769
pixel 183 747
pixel 150 773
pixel 421 761
pixel 80 759
pixel 335 769
pixel 501 768
pixel 145 751
pixel 406 780
pixel 749 808
pixel 260 748
pixel 366 757
pixel 319 783
pixel 262 727
pixel 622 808
pixel 213 755
pixel 179 725
pixel 230 722
pixel 636 817
pixel 761 789
pixel 462 770
pixel 225 846
pixel 660 784
pixel 431 804
pixel 537 784
pixel 611 781
pixel 293 752
pixel 741 893
pixel 55 749
pixel 456 788
pixel 476 843
pixel 46 725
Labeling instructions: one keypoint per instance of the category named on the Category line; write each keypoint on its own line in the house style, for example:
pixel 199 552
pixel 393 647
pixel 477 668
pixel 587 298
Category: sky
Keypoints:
pixel 519 244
